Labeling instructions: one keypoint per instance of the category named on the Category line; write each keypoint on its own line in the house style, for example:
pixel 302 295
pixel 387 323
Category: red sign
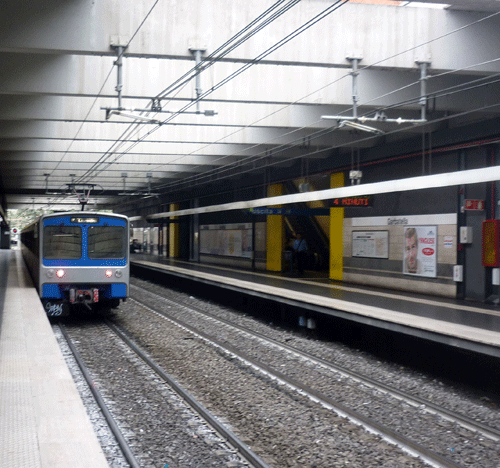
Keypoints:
pixel 477 205
pixel 364 200
pixel 491 243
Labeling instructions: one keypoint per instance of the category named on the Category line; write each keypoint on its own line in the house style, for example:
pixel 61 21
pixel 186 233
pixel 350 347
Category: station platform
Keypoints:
pixel 471 326
pixel 43 422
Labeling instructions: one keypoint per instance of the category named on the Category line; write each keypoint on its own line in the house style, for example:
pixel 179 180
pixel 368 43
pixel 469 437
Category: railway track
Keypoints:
pixel 274 403
pixel 223 445
pixel 407 397
pixel 470 432
pixel 100 402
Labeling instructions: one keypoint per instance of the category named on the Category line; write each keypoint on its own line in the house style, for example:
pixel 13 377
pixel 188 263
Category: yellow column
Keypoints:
pixel 275 236
pixel 336 233
pixel 173 234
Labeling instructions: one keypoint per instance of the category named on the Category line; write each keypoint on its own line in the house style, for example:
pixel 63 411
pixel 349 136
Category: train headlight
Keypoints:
pixel 50 273
pixel 60 273
pixel 118 273
pixel 108 273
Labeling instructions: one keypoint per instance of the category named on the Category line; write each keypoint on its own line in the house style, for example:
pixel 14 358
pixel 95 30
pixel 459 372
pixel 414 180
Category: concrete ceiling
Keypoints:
pixel 260 103
pixel 469 5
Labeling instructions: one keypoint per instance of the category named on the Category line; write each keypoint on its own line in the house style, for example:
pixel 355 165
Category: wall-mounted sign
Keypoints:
pixel 448 242
pixel 291 211
pixel 477 205
pixel 362 201
pixel 231 240
pixel 370 244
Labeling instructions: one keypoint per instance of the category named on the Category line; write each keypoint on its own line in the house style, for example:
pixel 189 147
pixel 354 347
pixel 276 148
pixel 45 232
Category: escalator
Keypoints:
pixel 310 229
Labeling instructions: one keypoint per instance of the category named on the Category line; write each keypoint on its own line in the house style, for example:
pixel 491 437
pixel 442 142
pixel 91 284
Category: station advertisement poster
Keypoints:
pixel 420 251
pixel 230 240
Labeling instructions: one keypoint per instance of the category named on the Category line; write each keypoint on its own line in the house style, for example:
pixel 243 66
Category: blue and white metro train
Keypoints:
pixel 78 259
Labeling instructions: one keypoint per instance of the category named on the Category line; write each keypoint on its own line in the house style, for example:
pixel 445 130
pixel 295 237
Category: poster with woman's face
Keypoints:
pixel 420 251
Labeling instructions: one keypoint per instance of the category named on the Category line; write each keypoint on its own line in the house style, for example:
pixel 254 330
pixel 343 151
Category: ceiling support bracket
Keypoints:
pixel 423 65
pixel 119 72
pixel 357 122
pixel 197 58
pixel 355 59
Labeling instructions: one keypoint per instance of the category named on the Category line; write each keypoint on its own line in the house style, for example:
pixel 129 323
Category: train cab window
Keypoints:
pixel 107 242
pixel 62 242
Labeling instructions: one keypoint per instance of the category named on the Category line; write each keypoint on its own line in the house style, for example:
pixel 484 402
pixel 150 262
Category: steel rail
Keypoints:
pixel 244 451
pixel 387 433
pixel 426 405
pixel 125 448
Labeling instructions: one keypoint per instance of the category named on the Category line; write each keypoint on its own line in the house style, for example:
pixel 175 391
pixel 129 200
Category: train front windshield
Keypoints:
pixel 85 242
pixel 106 242
pixel 62 242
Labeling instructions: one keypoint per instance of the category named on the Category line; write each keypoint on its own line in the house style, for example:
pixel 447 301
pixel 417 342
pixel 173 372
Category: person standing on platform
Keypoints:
pixel 290 252
pixel 300 249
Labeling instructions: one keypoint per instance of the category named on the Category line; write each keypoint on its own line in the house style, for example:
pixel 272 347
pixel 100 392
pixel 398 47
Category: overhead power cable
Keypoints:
pixel 102 87
pixel 412 48
pixel 316 152
pixel 435 94
pixel 223 50
pixel 239 38
pixel 276 150
pixel 263 55
pixel 295 143
pixel 253 62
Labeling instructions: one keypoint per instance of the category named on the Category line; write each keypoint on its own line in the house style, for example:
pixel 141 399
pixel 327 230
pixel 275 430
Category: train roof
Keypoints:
pixel 74 213
pixel 83 214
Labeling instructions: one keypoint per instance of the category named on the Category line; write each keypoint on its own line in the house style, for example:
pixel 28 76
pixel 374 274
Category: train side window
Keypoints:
pixel 107 242
pixel 62 242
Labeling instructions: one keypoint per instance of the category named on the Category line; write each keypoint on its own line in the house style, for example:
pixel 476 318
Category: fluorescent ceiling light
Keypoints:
pixel 358 126
pixel 135 116
pixel 439 6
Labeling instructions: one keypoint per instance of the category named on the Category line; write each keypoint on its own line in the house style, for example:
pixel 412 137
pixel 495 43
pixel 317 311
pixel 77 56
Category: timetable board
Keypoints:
pixel 370 244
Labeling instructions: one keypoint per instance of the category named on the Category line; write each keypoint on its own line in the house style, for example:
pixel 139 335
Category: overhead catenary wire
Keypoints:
pixel 321 151
pixel 445 35
pixel 230 45
pixel 132 127
pixel 220 171
pixel 233 75
pixel 102 87
pixel 434 94
pixel 223 50
pixel 280 148
pixel 319 133
pixel 263 154
pixel 475 22
pixel 252 159
pixel 412 84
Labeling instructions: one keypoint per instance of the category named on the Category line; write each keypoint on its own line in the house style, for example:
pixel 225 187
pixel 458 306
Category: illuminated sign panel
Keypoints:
pixel 362 201
pixel 475 205
pixel 84 220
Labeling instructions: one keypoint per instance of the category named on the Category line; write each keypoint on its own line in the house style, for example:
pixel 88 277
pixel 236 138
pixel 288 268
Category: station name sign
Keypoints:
pixel 351 202
pixel 291 211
